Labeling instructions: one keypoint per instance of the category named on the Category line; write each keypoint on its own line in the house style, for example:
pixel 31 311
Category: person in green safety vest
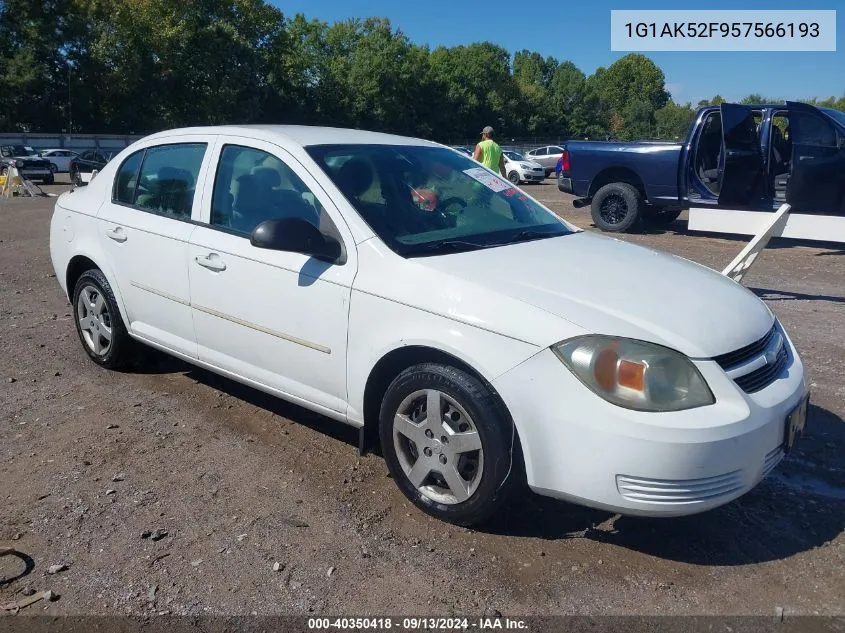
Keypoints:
pixel 488 152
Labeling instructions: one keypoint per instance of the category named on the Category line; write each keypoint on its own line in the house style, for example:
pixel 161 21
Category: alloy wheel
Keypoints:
pixel 438 446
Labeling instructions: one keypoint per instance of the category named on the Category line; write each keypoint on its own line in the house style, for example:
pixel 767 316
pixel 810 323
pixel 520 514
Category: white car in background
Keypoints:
pixel 519 169
pixel 59 159
pixel 394 285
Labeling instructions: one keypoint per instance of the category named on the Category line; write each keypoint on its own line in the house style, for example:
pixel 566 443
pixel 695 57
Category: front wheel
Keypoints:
pixel 616 207
pixel 449 443
pixel 514 177
pixel 98 322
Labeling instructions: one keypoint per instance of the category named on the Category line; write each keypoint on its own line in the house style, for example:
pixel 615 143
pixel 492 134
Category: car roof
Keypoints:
pixel 303 135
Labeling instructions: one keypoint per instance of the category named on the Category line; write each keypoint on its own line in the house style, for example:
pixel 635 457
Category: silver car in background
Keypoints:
pixel 547 156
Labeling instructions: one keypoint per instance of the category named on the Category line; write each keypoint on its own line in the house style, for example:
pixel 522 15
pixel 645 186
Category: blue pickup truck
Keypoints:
pixel 739 157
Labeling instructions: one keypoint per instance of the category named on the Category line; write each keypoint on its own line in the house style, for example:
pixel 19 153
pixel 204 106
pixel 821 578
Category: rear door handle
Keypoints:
pixel 211 261
pixel 117 234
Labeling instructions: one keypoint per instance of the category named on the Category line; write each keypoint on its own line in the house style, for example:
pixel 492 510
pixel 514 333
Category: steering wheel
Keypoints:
pixel 444 204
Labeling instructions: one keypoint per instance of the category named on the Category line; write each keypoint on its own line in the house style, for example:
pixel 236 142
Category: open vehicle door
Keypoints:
pixel 817 183
pixel 742 171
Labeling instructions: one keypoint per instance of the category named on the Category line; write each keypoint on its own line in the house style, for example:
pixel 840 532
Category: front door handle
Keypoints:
pixel 117 234
pixel 211 261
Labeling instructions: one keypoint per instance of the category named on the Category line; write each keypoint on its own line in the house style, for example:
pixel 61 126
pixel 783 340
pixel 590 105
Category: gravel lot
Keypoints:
pixel 165 489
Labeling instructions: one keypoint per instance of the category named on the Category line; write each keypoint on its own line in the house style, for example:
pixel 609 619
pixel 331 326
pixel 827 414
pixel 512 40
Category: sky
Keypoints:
pixel 579 31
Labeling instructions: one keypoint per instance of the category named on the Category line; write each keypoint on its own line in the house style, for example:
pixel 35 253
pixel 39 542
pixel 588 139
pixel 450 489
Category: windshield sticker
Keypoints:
pixel 491 181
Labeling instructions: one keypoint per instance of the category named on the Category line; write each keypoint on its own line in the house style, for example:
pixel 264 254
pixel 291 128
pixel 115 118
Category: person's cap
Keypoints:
pixel 487 130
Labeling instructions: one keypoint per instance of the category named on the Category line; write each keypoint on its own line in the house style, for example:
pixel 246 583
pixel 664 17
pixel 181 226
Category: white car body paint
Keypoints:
pixel 312 333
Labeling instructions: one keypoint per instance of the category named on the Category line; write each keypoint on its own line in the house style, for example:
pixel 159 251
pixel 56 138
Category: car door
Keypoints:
pixel 741 160
pixel 817 181
pixel 278 319
pixel 145 227
pixel 63 160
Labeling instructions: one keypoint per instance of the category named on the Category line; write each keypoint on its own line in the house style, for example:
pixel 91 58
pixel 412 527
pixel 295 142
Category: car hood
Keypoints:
pixel 608 286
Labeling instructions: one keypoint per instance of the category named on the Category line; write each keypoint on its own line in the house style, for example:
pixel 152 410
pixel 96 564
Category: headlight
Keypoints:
pixel 635 374
pixel 525 166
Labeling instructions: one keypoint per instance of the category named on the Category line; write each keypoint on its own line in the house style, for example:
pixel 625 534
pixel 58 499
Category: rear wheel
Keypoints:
pixel 616 207
pixel 449 443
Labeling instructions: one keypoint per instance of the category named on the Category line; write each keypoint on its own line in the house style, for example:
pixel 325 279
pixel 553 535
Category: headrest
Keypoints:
pixel 355 177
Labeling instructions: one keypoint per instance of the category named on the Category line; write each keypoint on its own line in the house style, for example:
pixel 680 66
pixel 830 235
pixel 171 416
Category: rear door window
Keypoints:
pixel 168 178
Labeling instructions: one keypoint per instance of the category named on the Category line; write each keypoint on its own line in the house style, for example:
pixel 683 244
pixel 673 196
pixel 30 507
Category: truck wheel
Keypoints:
pixel 661 216
pixel 616 207
pixel 514 177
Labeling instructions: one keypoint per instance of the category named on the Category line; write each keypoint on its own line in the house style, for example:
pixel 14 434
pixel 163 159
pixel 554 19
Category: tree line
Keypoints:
pixel 139 66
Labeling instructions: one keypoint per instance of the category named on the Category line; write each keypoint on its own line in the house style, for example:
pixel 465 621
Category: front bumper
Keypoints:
pixel 36 173
pixel 532 176
pixel 580 448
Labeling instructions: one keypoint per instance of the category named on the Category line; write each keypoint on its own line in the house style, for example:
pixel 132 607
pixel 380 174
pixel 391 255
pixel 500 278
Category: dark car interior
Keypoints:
pixel 709 160
pixel 708 154
pixel 781 155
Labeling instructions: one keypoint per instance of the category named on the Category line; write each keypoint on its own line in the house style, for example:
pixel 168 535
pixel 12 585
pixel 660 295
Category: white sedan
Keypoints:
pixel 59 159
pixel 399 287
pixel 520 169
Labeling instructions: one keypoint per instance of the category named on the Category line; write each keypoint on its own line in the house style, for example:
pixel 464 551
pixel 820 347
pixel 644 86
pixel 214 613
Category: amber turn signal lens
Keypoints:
pixel 631 375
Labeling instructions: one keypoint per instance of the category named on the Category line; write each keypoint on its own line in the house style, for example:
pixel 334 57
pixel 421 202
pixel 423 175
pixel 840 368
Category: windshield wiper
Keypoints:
pixel 532 234
pixel 446 246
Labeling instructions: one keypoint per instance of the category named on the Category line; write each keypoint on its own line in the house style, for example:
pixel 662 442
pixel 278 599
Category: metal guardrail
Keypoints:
pixel 75 142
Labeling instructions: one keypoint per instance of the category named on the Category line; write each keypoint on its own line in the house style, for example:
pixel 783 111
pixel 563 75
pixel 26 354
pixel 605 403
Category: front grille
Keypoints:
pixel 743 354
pixel 679 491
pixel 763 377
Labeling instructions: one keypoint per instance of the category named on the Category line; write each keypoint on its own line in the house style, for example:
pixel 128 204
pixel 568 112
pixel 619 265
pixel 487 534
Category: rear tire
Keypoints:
pixel 463 465
pixel 616 207
pixel 98 322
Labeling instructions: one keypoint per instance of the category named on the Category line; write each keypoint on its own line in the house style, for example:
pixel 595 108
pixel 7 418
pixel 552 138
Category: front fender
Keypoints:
pixel 378 326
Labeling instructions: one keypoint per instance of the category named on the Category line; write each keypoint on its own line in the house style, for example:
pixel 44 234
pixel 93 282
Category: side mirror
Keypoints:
pixel 295 235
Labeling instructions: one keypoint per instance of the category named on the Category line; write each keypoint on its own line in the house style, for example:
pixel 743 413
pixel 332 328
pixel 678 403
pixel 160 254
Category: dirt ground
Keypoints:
pixel 93 463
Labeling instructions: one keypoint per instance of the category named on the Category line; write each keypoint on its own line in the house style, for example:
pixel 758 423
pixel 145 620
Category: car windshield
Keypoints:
pixel 20 150
pixel 836 115
pixel 424 200
pixel 514 155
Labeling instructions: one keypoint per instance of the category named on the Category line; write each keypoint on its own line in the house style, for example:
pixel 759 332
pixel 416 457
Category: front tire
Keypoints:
pixel 616 207
pixel 449 443
pixel 98 321
pixel 514 177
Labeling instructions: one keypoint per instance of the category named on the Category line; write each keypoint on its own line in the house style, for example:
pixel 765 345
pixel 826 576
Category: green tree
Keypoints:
pixel 673 120
pixel 477 88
